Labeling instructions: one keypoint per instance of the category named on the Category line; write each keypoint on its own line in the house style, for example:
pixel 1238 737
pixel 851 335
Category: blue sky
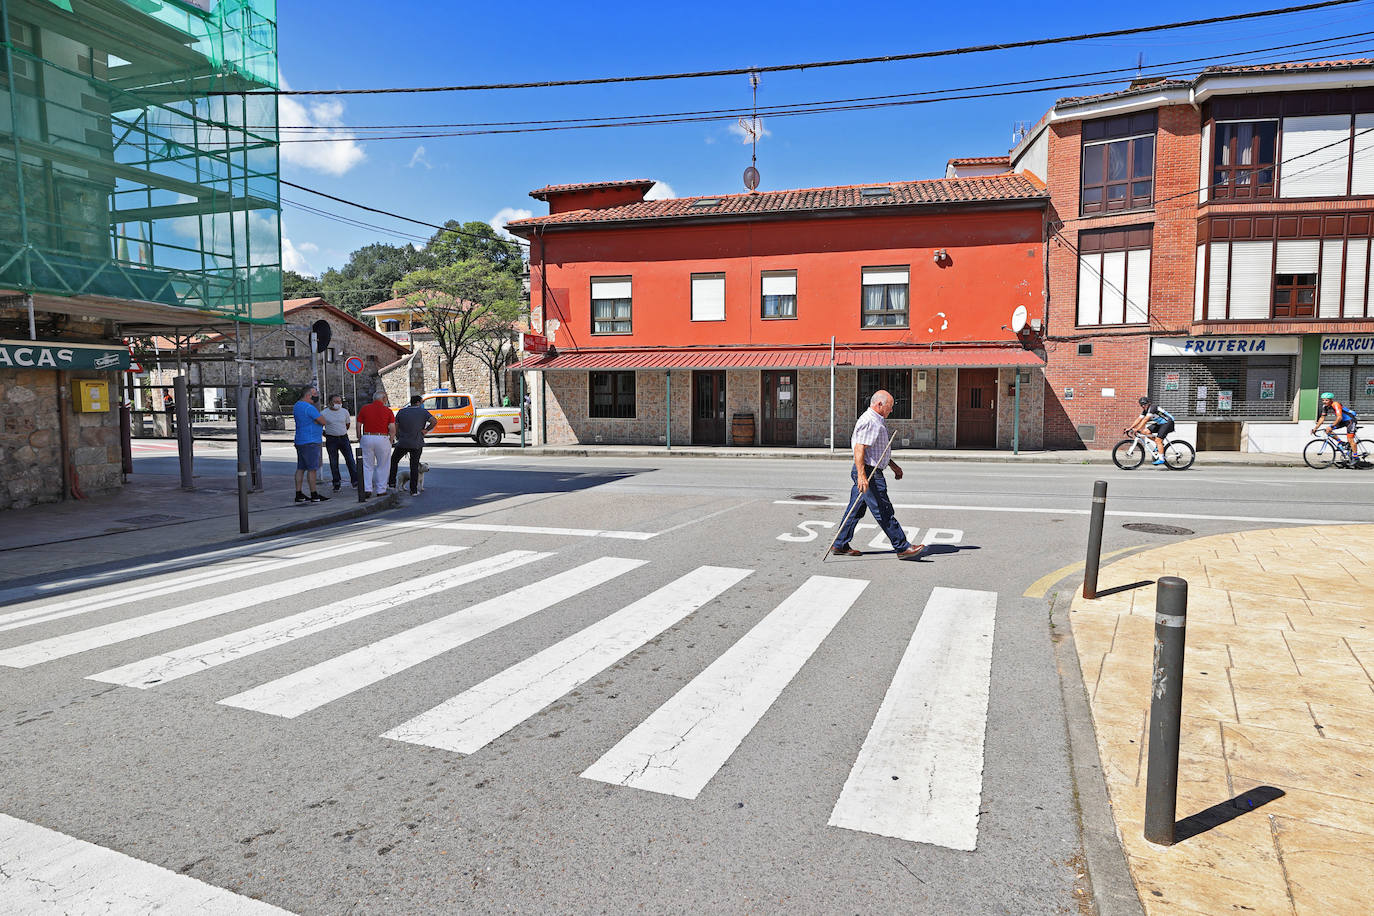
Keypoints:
pixel 350 44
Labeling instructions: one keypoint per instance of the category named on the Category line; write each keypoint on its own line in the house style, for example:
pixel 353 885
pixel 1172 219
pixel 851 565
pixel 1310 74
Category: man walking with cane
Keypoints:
pixel 872 448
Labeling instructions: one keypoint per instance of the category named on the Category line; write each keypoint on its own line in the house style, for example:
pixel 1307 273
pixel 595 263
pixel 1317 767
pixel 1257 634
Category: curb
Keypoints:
pixel 376 504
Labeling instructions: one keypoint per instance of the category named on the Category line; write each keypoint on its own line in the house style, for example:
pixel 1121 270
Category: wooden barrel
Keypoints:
pixel 742 429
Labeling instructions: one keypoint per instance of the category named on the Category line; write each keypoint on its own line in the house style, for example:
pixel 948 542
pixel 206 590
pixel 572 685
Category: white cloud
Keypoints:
pixel 292 259
pixel 660 191
pixel 505 215
pixel 739 130
pixel 334 157
pixel 310 247
pixel 418 158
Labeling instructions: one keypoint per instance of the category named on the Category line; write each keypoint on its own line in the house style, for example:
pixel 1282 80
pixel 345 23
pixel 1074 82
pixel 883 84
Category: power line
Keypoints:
pixel 813 65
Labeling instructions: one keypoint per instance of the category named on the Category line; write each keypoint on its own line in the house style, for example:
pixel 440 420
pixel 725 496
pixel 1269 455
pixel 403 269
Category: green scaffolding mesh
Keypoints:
pixel 124 172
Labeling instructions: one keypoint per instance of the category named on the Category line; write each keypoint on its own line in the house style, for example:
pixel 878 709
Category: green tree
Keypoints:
pixel 370 275
pixel 474 240
pixel 298 286
pixel 495 345
pixel 459 303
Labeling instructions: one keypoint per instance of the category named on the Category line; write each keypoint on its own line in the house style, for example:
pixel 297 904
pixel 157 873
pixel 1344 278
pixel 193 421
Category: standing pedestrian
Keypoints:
pixel 169 407
pixel 872 451
pixel 411 425
pixel 376 435
pixel 336 423
pixel 309 422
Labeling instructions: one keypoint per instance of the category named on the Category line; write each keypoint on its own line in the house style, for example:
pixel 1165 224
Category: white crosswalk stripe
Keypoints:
pixel 169 666
pixel 483 713
pixel 919 774
pixel 317 685
pixel 46 650
pixel 689 738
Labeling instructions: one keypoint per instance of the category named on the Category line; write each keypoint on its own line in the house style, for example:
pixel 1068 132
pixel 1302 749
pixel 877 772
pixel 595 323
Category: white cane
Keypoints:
pixel 859 501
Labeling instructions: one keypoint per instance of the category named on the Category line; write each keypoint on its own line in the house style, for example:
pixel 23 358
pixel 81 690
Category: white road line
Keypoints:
pixel 56 610
pixel 317 685
pixel 919 774
pixel 45 650
pixel 160 669
pixel 528 529
pixel 43 871
pixel 1041 511
pixel 682 745
pixel 472 460
pixel 480 715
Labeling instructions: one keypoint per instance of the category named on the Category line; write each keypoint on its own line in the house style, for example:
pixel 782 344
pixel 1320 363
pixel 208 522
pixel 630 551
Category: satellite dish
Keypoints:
pixel 1018 319
pixel 751 178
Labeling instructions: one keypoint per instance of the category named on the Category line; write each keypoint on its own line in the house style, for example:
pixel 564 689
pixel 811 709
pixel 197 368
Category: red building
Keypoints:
pixel 1209 244
pixel 675 320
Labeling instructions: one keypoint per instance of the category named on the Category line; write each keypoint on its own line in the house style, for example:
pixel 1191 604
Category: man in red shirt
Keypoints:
pixel 376 435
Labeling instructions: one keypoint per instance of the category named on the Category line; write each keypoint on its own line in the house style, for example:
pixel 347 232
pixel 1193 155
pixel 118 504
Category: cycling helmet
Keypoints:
pixel 1328 396
pixel 1143 402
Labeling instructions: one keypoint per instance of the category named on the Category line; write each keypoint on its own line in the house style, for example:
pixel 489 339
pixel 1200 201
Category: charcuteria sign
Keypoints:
pixel 1348 343
pixel 49 354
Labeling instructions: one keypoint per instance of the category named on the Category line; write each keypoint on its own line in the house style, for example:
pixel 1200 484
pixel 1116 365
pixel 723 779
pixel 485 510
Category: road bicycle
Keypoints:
pixel 1326 450
pixel 1130 452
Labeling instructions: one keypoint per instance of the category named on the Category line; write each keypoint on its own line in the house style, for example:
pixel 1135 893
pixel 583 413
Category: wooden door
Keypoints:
pixel 708 408
pixel 779 408
pixel 977 416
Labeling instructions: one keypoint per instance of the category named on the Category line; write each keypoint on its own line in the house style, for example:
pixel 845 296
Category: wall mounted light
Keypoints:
pixel 940 255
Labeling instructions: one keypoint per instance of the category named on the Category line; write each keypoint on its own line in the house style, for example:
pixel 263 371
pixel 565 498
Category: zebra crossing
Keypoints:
pixel 916 777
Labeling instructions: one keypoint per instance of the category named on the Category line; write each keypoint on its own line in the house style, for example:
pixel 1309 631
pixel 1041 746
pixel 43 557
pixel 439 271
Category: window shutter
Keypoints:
pixel 1297 257
pixel 1362 176
pixel 1329 280
pixel 611 289
pixel 1315 162
pixel 708 298
pixel 1113 287
pixel 780 284
pixel 1216 286
pixel 874 277
pixel 1252 279
pixel 1089 289
pixel 1205 179
pixel 1137 286
pixel 1357 294
pixel 1199 285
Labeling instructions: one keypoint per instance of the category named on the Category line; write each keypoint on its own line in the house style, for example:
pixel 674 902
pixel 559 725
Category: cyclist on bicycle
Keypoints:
pixel 1338 416
pixel 1155 422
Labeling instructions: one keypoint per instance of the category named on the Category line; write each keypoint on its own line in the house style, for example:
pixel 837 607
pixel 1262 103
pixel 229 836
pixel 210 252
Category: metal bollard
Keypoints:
pixel 244 441
pixel 362 481
pixel 1099 512
pixel 1166 709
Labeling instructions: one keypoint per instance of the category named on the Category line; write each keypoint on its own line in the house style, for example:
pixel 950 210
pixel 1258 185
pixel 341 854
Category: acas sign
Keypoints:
pixel 42 354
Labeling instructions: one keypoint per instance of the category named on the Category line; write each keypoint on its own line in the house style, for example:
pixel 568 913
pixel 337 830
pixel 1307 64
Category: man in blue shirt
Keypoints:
pixel 309 427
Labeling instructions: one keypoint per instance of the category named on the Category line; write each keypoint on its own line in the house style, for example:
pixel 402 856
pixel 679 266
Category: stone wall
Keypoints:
pixel 568 422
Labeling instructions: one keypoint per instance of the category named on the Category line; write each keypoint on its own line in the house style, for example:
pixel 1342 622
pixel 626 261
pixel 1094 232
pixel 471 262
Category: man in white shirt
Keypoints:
pixel 872 450
pixel 336 423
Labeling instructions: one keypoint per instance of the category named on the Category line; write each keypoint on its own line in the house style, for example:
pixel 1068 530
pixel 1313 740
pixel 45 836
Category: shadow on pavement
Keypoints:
pixel 1224 812
pixel 1117 589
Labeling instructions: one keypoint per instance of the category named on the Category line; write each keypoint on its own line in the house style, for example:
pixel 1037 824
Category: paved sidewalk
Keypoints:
pixel 1277 693
pixel 153 515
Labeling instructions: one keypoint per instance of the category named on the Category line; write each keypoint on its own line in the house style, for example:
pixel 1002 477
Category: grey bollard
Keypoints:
pixel 182 396
pixel 1099 512
pixel 244 441
pixel 362 481
pixel 1166 709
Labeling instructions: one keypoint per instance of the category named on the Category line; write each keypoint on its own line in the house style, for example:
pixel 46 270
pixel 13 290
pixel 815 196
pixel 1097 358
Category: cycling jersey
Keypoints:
pixel 1339 415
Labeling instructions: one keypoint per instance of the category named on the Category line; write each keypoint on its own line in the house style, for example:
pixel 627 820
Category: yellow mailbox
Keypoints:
pixel 92 396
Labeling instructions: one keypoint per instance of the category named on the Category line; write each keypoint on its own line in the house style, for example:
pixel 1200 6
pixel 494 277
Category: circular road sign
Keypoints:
pixel 354 364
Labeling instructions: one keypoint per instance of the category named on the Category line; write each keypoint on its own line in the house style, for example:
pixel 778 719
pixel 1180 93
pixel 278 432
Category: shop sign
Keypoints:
pixel 1223 400
pixel 1266 389
pixel 1171 381
pixel 1348 343
pixel 1369 385
pixel 49 354
pixel 1224 346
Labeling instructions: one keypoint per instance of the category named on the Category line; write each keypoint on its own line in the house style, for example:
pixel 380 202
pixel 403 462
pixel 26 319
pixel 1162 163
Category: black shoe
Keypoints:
pixel 301 497
pixel 336 488
pixel 318 498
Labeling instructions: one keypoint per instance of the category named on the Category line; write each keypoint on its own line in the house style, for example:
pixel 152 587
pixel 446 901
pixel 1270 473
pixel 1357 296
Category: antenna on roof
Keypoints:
pixel 752 128
pixel 1019 129
pixel 1139 64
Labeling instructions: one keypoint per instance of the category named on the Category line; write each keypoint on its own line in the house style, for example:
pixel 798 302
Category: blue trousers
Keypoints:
pixel 875 500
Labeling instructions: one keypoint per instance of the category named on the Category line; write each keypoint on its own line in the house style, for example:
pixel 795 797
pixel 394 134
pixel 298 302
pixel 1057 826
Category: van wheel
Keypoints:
pixel 489 435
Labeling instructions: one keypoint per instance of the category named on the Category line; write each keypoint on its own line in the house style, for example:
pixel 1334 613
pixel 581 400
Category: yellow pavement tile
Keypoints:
pixel 1276 661
pixel 1332 625
pixel 1092 634
pixel 1167 888
pixel 1337 767
pixel 1347 674
pixel 1317 648
pixel 1363 650
pixel 1119 746
pixel 1328 869
pixel 1341 723
pixel 1270 710
pixel 1091 667
pixel 1209 696
pixel 1238 853
pixel 1258 610
pixel 1258 583
pixel 1339 687
pixel 1314 807
pixel 1206 659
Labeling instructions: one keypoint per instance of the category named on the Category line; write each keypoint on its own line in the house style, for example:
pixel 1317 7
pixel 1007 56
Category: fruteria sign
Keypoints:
pixel 47 354
pixel 1348 343
pixel 1225 346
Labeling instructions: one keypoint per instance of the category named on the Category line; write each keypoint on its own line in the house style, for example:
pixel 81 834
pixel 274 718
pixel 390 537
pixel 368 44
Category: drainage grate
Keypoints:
pixel 1147 528
pixel 811 498
pixel 149 519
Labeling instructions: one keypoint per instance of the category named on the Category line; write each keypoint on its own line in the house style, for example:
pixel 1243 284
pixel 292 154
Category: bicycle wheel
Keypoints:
pixel 1128 454
pixel 1364 454
pixel 1178 456
pixel 1319 454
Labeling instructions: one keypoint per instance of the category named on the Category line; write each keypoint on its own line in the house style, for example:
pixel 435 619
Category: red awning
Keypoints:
pixel 785 358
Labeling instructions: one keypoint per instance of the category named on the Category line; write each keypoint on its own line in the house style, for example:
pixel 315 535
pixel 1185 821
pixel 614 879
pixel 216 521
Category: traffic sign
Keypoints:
pixel 354 364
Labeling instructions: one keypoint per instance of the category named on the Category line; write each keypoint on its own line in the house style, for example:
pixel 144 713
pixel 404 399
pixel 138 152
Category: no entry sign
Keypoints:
pixel 354 364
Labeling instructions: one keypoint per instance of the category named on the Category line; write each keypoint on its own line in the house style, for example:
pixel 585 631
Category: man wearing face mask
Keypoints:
pixel 309 422
pixel 336 423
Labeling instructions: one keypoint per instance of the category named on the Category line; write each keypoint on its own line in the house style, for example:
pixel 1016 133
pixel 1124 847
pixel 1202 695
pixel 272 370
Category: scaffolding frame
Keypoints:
pixel 136 160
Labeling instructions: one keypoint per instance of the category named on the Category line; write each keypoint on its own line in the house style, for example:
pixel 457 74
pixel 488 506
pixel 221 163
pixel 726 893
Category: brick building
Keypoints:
pixel 709 320
pixel 424 368
pixel 1209 244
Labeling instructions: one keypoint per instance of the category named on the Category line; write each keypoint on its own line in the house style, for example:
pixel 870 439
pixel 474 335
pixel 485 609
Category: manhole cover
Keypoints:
pixel 811 498
pixel 1148 528
pixel 149 519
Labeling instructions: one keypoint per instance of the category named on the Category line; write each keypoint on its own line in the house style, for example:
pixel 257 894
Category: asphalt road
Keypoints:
pixel 656 697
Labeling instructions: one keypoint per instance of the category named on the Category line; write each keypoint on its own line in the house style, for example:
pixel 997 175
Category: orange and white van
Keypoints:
pixel 458 417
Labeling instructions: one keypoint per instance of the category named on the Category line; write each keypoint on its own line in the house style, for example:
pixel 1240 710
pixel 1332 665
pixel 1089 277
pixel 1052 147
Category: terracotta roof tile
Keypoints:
pixel 780 357
pixel 551 189
pixel 1291 66
pixel 1123 93
pixel 981 160
pixel 935 191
